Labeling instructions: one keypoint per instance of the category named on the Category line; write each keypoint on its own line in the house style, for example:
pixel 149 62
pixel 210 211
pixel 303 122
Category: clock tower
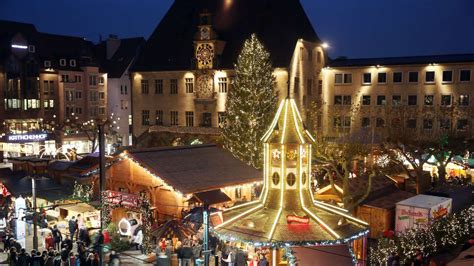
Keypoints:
pixel 204 56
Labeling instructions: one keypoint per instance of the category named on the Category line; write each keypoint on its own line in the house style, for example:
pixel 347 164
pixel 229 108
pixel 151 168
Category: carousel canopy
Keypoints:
pixel 286 213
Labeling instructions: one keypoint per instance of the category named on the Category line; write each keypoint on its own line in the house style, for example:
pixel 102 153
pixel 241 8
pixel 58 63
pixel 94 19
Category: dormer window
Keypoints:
pixel 31 48
pixel 47 64
pixel 62 62
pixel 72 62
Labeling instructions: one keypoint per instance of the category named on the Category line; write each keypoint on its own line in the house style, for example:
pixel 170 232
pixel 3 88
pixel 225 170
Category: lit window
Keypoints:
pixel 189 82
pixel 464 100
pixel 189 119
pixel 145 89
pixel 222 85
pixel 429 100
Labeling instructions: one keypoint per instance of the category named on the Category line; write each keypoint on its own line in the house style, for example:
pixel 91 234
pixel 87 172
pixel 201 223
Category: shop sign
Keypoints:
pixel 123 199
pixel 293 219
pixel 27 137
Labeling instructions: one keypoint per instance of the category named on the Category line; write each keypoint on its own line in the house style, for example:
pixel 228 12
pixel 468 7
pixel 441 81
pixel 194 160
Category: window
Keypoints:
pixel 46 87
pixel 320 87
pixel 430 77
pixel 69 95
pixel 93 80
pixel 445 100
pixel 397 77
pixel 31 48
pixel 174 86
pixel 189 119
pixel 320 57
pixel 47 64
pixel 158 86
pixel 222 82
pixel 72 62
pixel 297 85
pixel 382 78
pixel 379 122
pixel 189 82
pixel 396 100
pixel 93 95
pixel 447 76
pixel 291 179
pixel 159 118
pixel 102 111
pixel 101 95
pixel 462 124
pixel 429 100
pixel 309 87
pixel 310 55
pixel 464 100
pixel 174 118
pixel 238 192
pixel 78 94
pixel 428 124
pixel 465 75
pixel 366 78
pixel 62 62
pixel 221 118
pixel 77 78
pixel 145 89
pixel 342 100
pixel 342 122
pixel 412 100
pixel 145 117
pixel 381 100
pixel 365 99
pixel 206 119
pixel 275 179
pixel 343 78
pixel 365 122
pixel 445 123
pixel 411 123
pixel 123 104
pixel 78 110
pixel 413 77
pixel 101 80
pixel 65 78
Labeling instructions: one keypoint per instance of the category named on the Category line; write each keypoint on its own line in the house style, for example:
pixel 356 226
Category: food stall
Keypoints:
pixel 420 210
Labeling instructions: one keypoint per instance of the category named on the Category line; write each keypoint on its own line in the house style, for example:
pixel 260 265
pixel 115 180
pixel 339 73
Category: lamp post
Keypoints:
pixel 101 186
pixel 35 214
pixel 205 218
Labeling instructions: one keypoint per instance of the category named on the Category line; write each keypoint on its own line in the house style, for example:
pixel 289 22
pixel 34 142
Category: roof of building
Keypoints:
pixel 59 165
pixel 388 200
pixel 171 45
pixel 404 60
pixel 191 169
pixel 122 58
pixel 423 201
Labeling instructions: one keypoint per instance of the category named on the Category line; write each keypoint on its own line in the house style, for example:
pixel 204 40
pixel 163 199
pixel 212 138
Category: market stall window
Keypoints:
pixel 276 178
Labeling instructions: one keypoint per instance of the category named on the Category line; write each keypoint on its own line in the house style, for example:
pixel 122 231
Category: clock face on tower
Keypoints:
pixel 205 55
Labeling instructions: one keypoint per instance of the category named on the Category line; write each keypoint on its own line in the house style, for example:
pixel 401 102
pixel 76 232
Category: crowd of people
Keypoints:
pixel 59 250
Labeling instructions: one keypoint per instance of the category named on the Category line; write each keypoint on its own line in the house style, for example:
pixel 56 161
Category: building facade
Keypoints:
pixel 49 86
pixel 116 57
pixel 180 81
pixel 423 96
pixel 182 76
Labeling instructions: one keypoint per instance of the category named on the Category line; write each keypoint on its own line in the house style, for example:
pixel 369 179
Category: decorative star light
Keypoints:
pixel 276 154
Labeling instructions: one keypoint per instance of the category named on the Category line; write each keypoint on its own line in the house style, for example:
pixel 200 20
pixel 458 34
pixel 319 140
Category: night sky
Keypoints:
pixel 354 28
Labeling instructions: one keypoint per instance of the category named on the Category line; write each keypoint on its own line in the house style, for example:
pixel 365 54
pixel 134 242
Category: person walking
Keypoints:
pixel 263 260
pixel 72 227
pixel 57 236
pixel 186 255
pixel 230 258
pixel 49 242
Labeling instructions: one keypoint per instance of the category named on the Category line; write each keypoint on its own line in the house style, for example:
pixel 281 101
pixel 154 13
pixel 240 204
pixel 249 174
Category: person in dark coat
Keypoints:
pixel 241 258
pixel 67 243
pixel 72 227
pixel 263 260
pixel 12 257
pixel 57 236
pixel 23 258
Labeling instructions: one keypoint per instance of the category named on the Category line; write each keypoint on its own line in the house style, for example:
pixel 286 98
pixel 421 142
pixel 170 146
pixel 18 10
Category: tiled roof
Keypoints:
pixel 128 49
pixel 191 169
pixel 407 60
pixel 279 24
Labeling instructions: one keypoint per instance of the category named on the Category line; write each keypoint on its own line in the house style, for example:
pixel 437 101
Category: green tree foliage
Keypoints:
pixel 251 103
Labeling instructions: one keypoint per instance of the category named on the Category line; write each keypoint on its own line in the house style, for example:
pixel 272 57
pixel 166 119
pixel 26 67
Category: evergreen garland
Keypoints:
pixel 250 103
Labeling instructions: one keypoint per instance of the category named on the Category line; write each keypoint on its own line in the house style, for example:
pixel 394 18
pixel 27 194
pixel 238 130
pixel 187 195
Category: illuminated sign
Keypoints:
pixel 27 137
pixel 19 46
pixel 293 219
pixel 123 199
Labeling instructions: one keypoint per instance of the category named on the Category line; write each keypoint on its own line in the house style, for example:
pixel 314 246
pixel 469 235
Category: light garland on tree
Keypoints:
pixel 442 234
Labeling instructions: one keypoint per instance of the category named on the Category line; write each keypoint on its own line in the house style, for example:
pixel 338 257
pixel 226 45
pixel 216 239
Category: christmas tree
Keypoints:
pixel 250 103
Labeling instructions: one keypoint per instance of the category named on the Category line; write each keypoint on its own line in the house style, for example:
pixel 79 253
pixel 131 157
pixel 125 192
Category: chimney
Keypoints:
pixel 113 43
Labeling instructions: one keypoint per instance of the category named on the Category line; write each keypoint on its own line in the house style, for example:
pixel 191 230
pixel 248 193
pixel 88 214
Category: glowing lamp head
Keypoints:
pixel 325 45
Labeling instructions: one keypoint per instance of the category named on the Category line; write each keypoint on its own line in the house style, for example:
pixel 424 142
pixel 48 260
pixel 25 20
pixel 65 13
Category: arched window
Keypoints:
pixel 291 179
pixel 303 178
pixel 276 178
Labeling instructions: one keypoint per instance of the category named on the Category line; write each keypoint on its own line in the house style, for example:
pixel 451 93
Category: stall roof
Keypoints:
pixel 19 183
pixel 211 197
pixel 423 201
pixel 389 200
pixel 197 168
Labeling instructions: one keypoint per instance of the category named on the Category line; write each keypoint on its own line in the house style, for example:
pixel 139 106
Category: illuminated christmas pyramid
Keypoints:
pixel 286 213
